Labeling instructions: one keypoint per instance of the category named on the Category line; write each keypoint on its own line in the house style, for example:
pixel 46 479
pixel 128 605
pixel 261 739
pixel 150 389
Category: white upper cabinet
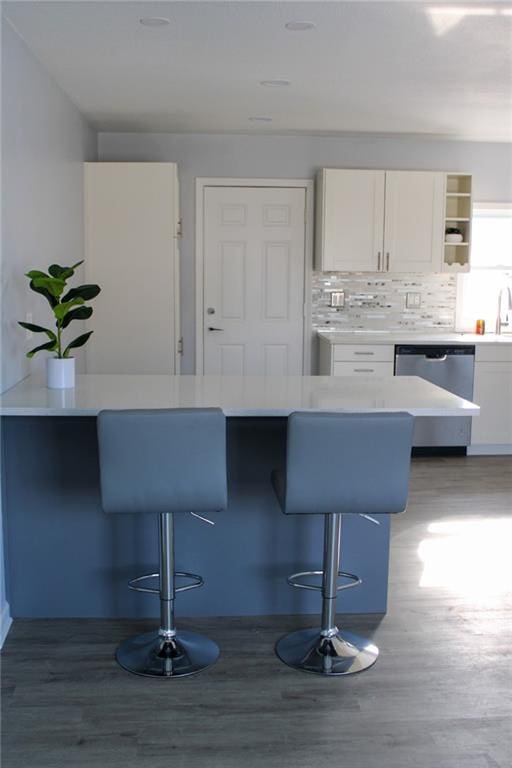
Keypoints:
pixel 380 221
pixel 131 251
pixel 414 221
pixel 350 220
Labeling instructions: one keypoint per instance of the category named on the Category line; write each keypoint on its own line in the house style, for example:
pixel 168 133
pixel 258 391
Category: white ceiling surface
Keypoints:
pixel 384 68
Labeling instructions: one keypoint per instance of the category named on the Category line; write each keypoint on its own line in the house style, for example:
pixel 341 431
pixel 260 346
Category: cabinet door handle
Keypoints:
pixel 364 370
pixel 364 353
pixel 215 329
pixel 387 261
pixel 378 261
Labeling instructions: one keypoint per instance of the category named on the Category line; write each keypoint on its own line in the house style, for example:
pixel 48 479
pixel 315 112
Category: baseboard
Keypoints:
pixel 490 450
pixel 5 623
pixel 439 450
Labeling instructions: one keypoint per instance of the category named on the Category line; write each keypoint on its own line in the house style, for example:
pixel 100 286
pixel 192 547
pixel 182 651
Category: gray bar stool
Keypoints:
pixel 162 462
pixel 340 463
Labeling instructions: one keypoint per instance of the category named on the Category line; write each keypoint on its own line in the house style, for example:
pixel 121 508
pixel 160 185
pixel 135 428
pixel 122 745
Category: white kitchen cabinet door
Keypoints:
pixel 350 220
pixel 131 220
pixel 414 221
pixel 493 393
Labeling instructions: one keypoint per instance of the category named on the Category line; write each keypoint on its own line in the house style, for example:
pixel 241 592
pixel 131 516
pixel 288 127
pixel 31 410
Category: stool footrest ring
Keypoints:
pixel 197 581
pixel 293 580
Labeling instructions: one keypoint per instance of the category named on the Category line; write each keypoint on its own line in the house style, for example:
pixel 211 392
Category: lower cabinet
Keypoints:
pixel 356 359
pixel 491 431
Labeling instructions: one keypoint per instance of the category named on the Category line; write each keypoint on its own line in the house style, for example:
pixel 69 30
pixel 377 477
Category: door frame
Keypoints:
pixel 308 186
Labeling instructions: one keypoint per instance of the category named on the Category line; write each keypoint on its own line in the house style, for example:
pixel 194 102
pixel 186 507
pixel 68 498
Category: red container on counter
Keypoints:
pixel 480 327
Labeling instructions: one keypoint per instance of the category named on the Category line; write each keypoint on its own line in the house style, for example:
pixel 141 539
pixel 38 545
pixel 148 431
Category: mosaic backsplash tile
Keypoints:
pixel 377 301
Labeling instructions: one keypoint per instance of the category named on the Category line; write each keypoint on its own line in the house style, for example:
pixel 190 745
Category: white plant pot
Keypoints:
pixel 60 372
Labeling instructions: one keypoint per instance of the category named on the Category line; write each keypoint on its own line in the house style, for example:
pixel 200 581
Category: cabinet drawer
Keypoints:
pixel 378 353
pixel 363 368
pixel 493 353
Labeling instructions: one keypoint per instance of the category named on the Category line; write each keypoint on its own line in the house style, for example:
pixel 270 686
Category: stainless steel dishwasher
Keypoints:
pixel 451 367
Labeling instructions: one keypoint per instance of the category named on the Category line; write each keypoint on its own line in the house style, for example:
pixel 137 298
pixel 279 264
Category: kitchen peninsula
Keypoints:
pixel 65 557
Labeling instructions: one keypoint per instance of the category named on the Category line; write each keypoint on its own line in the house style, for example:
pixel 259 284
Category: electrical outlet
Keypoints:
pixel 413 300
pixel 337 299
pixel 28 319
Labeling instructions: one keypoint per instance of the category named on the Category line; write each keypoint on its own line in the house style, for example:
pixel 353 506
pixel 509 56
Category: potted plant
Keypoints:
pixel 67 305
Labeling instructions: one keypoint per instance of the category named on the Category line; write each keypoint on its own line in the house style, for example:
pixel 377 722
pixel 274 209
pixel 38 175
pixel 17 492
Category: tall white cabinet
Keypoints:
pixel 131 251
pixel 380 221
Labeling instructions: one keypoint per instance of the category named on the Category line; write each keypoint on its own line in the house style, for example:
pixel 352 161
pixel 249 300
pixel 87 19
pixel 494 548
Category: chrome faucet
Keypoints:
pixel 499 322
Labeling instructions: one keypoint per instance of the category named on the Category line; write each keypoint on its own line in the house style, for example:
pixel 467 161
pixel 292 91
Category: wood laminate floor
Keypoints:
pixel 440 695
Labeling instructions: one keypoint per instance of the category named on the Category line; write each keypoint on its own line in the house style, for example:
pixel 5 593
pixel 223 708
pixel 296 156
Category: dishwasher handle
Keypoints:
pixel 436 358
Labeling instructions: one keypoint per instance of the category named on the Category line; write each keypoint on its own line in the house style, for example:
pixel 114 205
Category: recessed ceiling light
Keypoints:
pixel 299 26
pixel 260 119
pixel 154 21
pixel 275 83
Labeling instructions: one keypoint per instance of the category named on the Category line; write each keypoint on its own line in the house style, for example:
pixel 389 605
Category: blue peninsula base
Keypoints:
pixel 66 558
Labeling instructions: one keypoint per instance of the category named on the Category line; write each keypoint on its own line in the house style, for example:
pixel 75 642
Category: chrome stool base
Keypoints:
pixel 342 653
pixel 152 655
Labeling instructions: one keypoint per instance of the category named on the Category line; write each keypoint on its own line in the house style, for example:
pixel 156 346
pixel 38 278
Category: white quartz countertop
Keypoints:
pixel 236 395
pixel 404 337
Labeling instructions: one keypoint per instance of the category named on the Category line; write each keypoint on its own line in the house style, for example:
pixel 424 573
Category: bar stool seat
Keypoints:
pixel 339 463
pixel 162 462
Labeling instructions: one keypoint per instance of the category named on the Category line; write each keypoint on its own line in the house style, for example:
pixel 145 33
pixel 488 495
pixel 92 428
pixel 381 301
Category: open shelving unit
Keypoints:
pixel 458 214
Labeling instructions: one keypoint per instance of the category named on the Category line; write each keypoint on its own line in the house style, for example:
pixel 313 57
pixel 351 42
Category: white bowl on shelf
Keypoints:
pixel 453 238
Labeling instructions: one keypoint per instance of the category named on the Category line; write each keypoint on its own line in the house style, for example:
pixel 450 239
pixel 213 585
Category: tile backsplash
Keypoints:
pixel 377 301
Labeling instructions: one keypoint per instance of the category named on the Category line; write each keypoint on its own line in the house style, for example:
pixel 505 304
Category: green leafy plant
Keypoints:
pixel 67 305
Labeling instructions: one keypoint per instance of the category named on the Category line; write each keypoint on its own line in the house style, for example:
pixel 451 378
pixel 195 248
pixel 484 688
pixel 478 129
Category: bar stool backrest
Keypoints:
pixel 162 460
pixel 347 462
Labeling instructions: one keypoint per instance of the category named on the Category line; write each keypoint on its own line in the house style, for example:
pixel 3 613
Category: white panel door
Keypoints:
pixel 254 250
pixel 131 214
pixel 350 220
pixel 414 221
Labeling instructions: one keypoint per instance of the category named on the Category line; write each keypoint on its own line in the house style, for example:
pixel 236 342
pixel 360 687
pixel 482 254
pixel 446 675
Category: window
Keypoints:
pixel 492 236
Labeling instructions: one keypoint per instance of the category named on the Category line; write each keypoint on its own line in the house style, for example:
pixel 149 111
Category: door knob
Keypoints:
pixel 215 329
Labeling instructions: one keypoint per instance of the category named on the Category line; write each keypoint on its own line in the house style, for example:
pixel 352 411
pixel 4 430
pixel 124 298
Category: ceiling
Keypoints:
pixel 379 67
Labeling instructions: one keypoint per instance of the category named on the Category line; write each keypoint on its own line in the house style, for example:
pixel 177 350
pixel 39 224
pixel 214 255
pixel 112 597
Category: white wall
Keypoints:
pixel 295 157
pixel 44 141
